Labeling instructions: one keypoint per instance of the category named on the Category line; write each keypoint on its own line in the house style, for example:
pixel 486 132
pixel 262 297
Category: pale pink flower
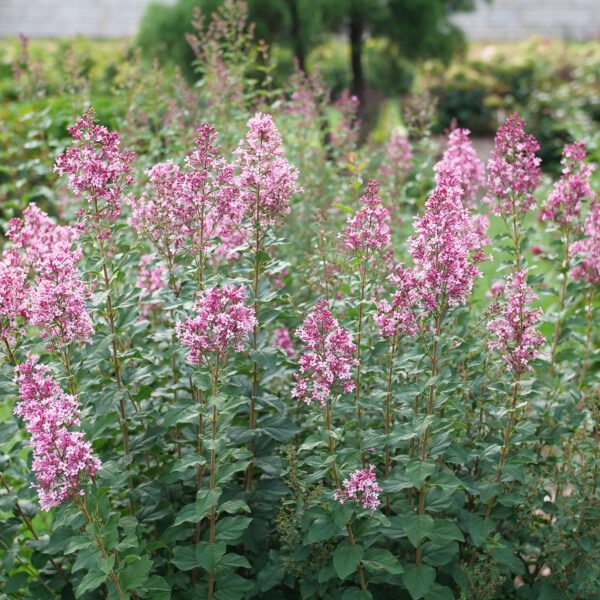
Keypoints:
pixel 446 246
pixel 221 324
pixel 150 279
pixel 514 170
pixel 282 339
pixel 361 488
pixel 461 157
pixel 35 234
pixel 327 361
pixel 186 209
pixel 397 317
pixel 588 249
pixel 97 169
pixel 513 331
pixel 266 180
pixel 563 205
pixel 397 163
pixel 368 230
pixel 345 134
pixel 63 460
pixel 14 294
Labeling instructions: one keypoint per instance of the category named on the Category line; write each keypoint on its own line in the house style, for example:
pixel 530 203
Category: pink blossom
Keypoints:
pixel 513 331
pixel 368 231
pixel 536 250
pixel 57 302
pixel 283 340
pixel 149 280
pixel 35 233
pixel 397 163
pixel 396 317
pixel 266 180
pixel 56 298
pixel 563 205
pixel 13 297
pixel 62 459
pixel 496 289
pixel 461 157
pixel 514 170
pixel 326 365
pixel 361 488
pixel 344 136
pixel 186 209
pixel 588 249
pixel 98 169
pixel 222 323
pixel 446 246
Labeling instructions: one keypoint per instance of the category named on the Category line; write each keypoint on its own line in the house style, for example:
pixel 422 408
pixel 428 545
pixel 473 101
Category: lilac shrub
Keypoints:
pixel 239 365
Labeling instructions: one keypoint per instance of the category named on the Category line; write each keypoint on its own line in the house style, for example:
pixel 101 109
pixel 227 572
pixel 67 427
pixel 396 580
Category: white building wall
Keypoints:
pixel 62 18
pixel 519 19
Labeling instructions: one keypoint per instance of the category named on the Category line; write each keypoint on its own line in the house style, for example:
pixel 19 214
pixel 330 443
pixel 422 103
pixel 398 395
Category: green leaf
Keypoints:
pixel 418 580
pixel 184 558
pixel 208 554
pixel 418 527
pixel 439 592
pixel 231 529
pixel 380 559
pixel 439 555
pixel 232 587
pixel 92 580
pixel 135 574
pixel 444 532
pixel 480 529
pixel 346 559
pixel 157 588
pixel 234 561
pixel 198 510
pixel 191 460
pixel 355 593
pixel 322 529
pixel 418 471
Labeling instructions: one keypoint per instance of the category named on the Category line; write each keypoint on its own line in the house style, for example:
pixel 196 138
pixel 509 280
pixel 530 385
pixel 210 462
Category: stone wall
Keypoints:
pixel 500 20
pixel 59 18
pixel 519 19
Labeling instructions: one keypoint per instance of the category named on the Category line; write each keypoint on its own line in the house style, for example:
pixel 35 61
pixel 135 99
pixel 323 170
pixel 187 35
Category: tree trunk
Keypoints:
pixel 296 34
pixel 356 44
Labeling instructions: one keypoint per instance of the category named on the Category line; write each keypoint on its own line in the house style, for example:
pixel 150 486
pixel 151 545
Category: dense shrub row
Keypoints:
pixel 246 358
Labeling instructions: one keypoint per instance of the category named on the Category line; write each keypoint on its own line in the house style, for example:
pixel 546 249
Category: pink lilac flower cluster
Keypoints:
pixel 563 205
pixel 587 250
pixel 266 180
pixel 282 339
pixel 461 157
pixel 35 234
pixel 57 302
pixel 396 317
pixel 13 297
pixel 514 171
pixel 326 365
pixel 361 488
pixel 446 248
pixel 216 201
pixel 368 231
pixel 98 169
pixel 62 458
pixel 221 323
pixel 149 280
pixel 513 331
pixel 344 137
pixel 397 163
pixel 185 209
pixel 56 299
